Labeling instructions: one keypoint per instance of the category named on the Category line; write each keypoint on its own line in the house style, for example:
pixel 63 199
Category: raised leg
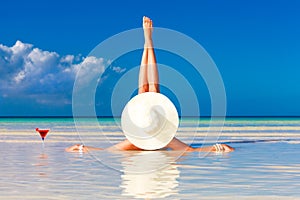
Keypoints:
pixel 143 75
pixel 148 77
pixel 152 72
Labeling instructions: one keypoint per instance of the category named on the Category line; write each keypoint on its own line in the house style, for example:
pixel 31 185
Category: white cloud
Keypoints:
pixel 68 59
pixel 89 69
pixel 31 72
pixel 118 70
pixel 19 77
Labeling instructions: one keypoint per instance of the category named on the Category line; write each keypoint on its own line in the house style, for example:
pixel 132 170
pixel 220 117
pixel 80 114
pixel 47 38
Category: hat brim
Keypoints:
pixel 150 121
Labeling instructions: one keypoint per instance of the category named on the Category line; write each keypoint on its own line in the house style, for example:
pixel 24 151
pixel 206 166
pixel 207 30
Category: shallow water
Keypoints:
pixel 265 164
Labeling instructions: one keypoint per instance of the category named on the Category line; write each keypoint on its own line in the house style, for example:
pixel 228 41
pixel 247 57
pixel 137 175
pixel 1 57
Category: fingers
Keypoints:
pixel 227 148
pixel 76 148
pixel 222 148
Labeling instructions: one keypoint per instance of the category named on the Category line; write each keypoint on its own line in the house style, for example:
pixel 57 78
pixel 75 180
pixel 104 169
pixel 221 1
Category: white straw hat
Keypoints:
pixel 150 121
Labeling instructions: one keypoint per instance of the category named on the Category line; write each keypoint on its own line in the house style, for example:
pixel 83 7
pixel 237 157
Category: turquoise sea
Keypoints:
pixel 264 165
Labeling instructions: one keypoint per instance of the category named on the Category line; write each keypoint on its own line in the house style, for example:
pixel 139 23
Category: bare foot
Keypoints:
pixel 148 28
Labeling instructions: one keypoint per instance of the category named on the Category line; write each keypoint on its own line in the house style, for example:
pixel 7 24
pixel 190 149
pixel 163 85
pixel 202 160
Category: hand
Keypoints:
pixel 77 148
pixel 222 148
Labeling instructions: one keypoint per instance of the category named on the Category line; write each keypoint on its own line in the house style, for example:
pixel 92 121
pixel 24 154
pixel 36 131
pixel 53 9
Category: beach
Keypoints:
pixel 265 163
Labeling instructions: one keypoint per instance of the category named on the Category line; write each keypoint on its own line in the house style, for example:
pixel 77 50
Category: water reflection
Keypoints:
pixel 150 174
pixel 42 162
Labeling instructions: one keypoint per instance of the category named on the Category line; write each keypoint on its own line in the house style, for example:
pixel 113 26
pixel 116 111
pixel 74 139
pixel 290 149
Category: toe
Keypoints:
pixel 146 19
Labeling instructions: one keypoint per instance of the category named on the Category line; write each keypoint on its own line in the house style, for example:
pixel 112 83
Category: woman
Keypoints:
pixel 149 82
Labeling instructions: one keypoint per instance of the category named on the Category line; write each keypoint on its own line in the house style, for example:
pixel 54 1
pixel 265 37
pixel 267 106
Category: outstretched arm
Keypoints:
pixel 175 145
pixel 178 145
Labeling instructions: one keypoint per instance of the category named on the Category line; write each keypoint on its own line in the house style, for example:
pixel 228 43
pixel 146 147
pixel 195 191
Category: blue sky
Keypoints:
pixel 255 45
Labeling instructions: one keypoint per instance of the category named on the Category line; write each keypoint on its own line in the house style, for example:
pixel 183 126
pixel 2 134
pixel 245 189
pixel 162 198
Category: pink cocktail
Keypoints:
pixel 43 132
